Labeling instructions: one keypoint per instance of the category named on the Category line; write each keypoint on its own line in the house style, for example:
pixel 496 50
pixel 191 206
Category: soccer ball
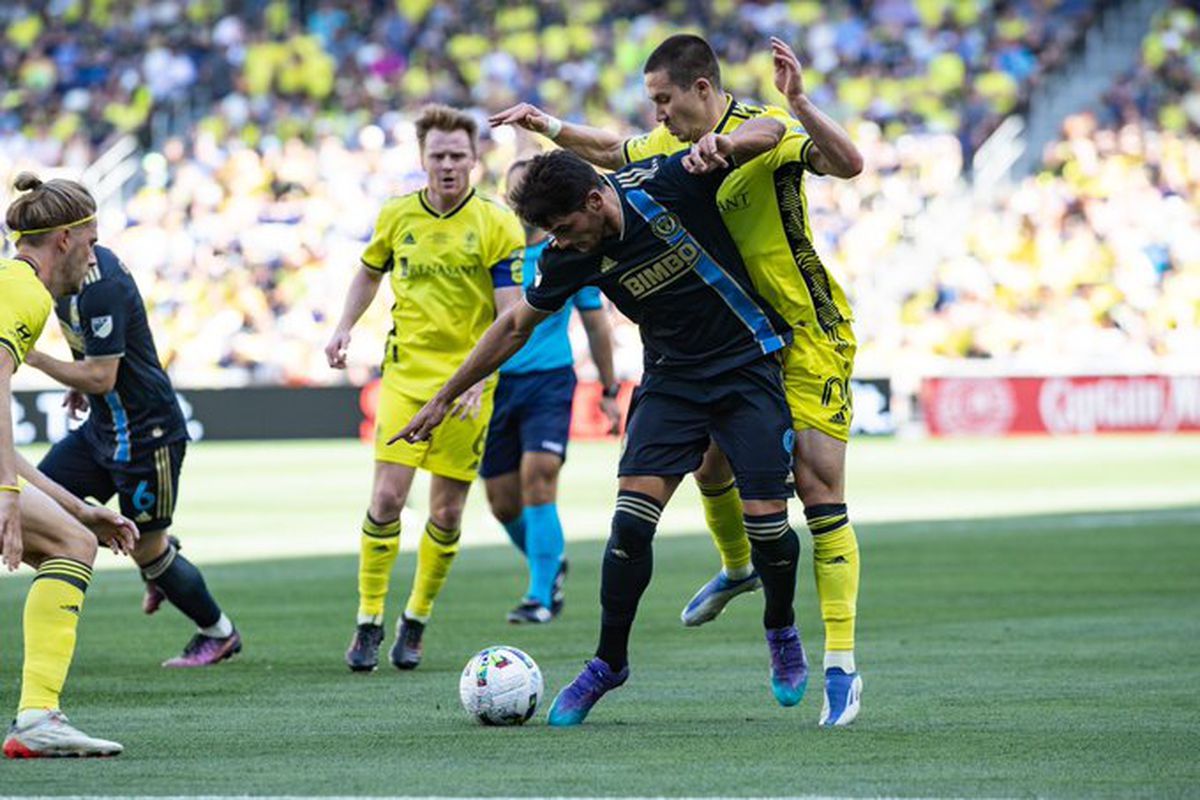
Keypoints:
pixel 501 686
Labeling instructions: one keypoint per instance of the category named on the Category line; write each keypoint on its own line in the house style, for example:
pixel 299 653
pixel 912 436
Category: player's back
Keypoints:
pixel 25 305
pixel 107 319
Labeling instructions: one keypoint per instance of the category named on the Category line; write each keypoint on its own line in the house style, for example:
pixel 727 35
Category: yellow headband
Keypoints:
pixel 15 236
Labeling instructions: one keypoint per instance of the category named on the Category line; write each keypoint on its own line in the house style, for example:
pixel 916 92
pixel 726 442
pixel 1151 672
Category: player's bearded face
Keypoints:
pixel 79 258
pixel 448 158
pixel 681 110
pixel 580 230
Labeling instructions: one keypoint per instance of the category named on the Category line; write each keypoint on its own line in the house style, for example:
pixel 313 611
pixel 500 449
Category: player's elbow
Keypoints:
pixel 854 165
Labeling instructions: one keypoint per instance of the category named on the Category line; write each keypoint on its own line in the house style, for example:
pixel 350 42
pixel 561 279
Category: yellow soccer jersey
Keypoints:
pixel 25 305
pixel 765 209
pixel 444 269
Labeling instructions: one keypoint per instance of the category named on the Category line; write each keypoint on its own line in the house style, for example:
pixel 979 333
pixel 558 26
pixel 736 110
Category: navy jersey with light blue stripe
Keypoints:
pixel 107 319
pixel 675 271
pixel 550 346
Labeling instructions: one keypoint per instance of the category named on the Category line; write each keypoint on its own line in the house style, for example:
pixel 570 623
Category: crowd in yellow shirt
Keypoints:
pixel 245 230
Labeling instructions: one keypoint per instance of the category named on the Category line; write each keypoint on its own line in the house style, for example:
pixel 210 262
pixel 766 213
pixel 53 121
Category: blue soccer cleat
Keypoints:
pixel 843 697
pixel 713 596
pixel 789 665
pixel 576 699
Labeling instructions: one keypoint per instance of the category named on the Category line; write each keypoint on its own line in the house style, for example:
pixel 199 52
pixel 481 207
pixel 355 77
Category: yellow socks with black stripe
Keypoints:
pixel 378 547
pixel 836 567
pixel 435 555
pixel 52 610
pixel 723 514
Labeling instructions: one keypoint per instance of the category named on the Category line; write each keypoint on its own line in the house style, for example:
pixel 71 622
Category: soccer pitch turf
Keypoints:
pixel 1038 637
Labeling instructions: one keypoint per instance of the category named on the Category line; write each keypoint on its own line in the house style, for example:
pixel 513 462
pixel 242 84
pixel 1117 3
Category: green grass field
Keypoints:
pixel 1007 650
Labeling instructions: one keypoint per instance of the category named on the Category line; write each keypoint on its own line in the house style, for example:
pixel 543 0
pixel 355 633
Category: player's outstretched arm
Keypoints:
pixel 595 145
pixel 715 151
pixel 362 291
pixel 90 376
pixel 832 152
pixel 112 529
pixel 504 337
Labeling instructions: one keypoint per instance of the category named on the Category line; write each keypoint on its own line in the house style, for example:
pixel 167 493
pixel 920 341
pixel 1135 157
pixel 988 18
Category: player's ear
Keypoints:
pixel 595 200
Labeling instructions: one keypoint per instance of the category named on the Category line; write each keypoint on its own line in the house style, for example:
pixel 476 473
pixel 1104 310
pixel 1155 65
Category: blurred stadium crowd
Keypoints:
pixel 270 133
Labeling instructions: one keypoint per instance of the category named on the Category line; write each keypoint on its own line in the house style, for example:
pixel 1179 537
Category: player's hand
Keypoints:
pixel 469 403
pixel 612 410
pixel 707 154
pixel 335 351
pixel 523 115
pixel 789 77
pixel 76 404
pixel 420 427
pixel 12 546
pixel 113 530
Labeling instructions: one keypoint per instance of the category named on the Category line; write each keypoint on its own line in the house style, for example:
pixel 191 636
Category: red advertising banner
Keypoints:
pixel 1060 405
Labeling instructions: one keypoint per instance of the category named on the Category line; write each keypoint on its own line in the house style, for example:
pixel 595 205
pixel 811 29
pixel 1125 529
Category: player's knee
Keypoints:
pixel 80 545
pixel 386 503
pixel 539 491
pixel 447 516
pixel 150 547
pixel 633 526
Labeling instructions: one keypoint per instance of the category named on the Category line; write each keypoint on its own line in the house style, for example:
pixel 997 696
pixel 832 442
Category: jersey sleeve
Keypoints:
pixel 505 250
pixel 676 179
pixel 588 299
pixel 796 145
pixel 378 255
pixel 557 279
pixel 104 316
pixel 658 142
pixel 21 323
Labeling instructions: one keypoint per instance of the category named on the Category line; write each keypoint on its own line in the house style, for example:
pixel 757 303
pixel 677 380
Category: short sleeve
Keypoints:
pixel 21 323
pixel 504 250
pixel 378 254
pixel 658 142
pixel 559 276
pixel 104 316
pixel 672 176
pixel 588 299
pixel 795 146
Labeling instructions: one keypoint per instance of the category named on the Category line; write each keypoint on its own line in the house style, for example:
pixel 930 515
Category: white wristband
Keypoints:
pixel 553 128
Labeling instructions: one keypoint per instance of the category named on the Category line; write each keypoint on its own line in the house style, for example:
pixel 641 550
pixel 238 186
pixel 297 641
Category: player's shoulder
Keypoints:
pixel 658 141
pixel 492 207
pixel 22 288
pixel 108 271
pixel 400 204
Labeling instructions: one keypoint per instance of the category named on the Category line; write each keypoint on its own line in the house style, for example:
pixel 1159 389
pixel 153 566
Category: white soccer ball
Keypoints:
pixel 501 686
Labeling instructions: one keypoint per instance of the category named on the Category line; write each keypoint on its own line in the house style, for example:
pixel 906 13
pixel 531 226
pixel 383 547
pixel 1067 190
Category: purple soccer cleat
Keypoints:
pixel 203 651
pixel 789 665
pixel 574 702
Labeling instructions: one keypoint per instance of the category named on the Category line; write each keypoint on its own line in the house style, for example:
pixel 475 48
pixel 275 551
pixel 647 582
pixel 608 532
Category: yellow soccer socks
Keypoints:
pixel 723 513
pixel 378 549
pixel 52 610
pixel 836 568
pixel 435 555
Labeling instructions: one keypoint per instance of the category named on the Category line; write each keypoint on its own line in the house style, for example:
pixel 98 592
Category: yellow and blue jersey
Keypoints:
pixel 25 305
pixel 765 208
pixel 444 269
pixel 549 347
pixel 107 319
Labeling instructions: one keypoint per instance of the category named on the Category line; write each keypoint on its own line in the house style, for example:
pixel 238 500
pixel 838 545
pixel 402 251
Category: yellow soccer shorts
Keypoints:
pixel 816 375
pixel 456 447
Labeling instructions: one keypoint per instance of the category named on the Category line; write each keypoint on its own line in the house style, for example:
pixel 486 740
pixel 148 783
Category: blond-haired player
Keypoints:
pixel 42 524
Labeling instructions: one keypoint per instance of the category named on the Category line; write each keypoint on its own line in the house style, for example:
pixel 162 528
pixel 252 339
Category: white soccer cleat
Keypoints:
pixel 52 736
pixel 843 698
pixel 707 604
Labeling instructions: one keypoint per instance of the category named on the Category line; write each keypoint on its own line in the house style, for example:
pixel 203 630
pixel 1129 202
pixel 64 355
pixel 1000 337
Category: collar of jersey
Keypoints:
pixel 433 212
pixel 25 260
pixel 730 105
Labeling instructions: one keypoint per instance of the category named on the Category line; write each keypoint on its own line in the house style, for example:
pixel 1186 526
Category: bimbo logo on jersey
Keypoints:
pixel 644 281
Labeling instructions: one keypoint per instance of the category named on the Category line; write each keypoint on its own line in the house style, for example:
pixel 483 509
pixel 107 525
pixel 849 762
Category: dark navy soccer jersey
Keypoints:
pixel 107 319
pixel 675 271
